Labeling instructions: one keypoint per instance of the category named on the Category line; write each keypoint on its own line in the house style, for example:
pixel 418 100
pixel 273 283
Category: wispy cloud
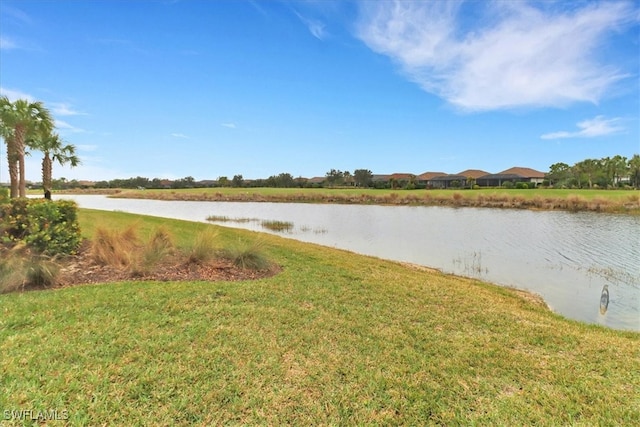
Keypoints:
pixel 513 54
pixel 15 94
pixel 315 27
pixel 63 109
pixel 66 127
pixel 179 135
pixel 598 126
pixel 7 44
pixel 87 147
pixel 17 15
pixel 229 125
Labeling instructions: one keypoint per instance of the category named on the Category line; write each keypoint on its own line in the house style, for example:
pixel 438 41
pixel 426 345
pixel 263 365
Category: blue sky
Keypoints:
pixel 171 89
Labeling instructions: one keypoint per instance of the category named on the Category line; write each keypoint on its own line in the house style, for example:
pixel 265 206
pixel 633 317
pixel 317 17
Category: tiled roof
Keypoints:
pixel 429 175
pixel 473 173
pixel 524 172
pixel 402 176
pixel 449 178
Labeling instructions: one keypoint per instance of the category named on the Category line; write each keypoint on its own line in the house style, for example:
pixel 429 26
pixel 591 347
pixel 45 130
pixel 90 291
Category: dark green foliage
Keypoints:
pixel 4 195
pixel 46 227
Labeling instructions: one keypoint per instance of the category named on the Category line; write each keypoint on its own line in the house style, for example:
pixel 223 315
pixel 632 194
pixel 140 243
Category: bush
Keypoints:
pixel 4 195
pixel 507 184
pixel 522 185
pixel 47 227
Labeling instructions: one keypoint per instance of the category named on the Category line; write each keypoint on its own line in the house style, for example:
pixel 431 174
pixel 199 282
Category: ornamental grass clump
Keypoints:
pixel 247 255
pixel 21 269
pixel 125 250
pixel 203 247
pixel 115 248
pixel 159 248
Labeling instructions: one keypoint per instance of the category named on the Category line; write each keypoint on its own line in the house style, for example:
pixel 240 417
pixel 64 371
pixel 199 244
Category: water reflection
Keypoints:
pixel 567 258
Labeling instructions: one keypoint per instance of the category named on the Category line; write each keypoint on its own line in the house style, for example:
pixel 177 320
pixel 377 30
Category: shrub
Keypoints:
pixel 507 184
pixel 4 195
pixel 53 227
pixel 47 227
pixel 522 185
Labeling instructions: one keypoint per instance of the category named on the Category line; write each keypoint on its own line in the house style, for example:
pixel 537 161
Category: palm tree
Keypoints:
pixel 7 133
pixel 634 170
pixel 20 121
pixel 53 149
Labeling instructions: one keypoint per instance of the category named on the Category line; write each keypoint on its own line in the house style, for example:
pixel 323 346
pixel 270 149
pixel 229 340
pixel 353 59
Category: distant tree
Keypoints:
pixel 347 178
pixel 362 177
pixel 587 170
pixel 334 177
pixel 156 183
pixel 223 181
pixel 237 181
pixel 139 182
pixel 559 173
pixel 283 180
pixel 186 182
pixel 634 170
pixel 619 168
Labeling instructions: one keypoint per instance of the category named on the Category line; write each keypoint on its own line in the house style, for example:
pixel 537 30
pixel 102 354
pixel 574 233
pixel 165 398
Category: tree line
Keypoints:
pixel 25 126
pixel 607 172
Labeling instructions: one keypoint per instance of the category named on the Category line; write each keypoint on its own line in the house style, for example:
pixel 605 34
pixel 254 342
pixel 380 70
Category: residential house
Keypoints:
pixel 424 178
pixel 515 174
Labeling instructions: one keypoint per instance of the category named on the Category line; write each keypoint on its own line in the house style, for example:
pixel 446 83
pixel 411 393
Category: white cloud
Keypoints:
pixel 229 125
pixel 87 147
pixel 598 126
pixel 179 135
pixel 15 94
pixel 315 27
pixel 66 127
pixel 511 54
pixel 62 109
pixel 7 44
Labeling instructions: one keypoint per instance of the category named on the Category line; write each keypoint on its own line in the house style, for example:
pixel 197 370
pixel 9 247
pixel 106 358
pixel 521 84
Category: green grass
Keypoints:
pixel 335 338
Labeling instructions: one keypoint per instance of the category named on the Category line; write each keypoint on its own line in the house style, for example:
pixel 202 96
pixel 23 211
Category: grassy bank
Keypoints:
pixel 624 201
pixel 335 338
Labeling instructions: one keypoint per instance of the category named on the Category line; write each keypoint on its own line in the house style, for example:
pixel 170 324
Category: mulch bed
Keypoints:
pixel 82 269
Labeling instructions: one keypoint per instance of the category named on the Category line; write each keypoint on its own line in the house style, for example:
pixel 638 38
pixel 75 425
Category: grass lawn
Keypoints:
pixel 336 338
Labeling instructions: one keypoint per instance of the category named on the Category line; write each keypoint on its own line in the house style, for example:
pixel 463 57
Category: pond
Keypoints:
pixel 586 266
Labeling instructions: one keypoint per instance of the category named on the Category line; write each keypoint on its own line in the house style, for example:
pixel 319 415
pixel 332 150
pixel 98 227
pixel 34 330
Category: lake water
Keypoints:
pixel 567 258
